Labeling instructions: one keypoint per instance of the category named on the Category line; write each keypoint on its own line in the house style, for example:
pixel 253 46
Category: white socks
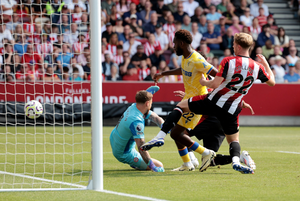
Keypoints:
pixel 192 156
pixel 235 159
pixel 161 134
pixel 206 152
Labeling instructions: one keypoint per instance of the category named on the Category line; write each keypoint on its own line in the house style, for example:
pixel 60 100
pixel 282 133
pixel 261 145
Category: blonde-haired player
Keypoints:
pixel 193 66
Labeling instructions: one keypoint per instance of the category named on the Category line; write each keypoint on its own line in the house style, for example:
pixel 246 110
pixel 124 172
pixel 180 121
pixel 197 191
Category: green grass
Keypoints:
pixel 277 176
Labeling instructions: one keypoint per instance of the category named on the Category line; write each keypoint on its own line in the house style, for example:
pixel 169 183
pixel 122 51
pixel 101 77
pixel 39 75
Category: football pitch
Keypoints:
pixel 275 150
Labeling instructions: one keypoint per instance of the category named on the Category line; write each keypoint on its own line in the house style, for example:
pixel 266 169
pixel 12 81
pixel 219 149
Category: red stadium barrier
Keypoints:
pixel 281 100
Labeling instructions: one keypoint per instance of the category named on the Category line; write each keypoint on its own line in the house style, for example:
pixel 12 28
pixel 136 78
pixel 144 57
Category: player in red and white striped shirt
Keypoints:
pixel 235 77
pixel 149 46
pixel 169 28
pixel 143 71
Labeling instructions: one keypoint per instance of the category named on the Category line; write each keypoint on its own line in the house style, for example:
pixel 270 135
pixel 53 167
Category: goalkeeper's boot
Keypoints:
pixel 153 89
pixel 184 168
pixel 206 160
pixel 247 160
pixel 242 169
pixel 155 142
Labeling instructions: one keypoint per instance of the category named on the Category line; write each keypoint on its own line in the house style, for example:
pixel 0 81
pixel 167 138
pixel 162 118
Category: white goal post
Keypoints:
pixel 62 149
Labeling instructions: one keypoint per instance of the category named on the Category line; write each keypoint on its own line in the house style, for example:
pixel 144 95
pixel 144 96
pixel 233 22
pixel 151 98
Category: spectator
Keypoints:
pixel 236 27
pixel 75 75
pixel 8 56
pixel 45 47
pixel 131 74
pixel 50 75
pixel 81 44
pixel 242 8
pixel 158 7
pixel 202 25
pixel 143 70
pixel 213 16
pixel 189 7
pixel 153 71
pixel 23 12
pixel 150 26
pixel 131 45
pixel 246 19
pixel 64 57
pixel 65 74
pixel 215 62
pixel 175 61
pixel 145 14
pixel 297 65
pixel 139 56
pixel 227 53
pixel 227 40
pixel 291 76
pixel 103 23
pixel 212 38
pixel 21 46
pixel 11 25
pixel 132 10
pixel 204 50
pixel 7 74
pixel 246 30
pixel 216 2
pixel 112 45
pixel 5 33
pixel 196 35
pixel 81 59
pixel 286 50
pixel 197 15
pixel 278 70
pixel 157 57
pixel 7 8
pixel 187 23
pixel 31 56
pixel 230 13
pixel 161 37
pixel 262 19
pixel 281 39
pixel 122 7
pixel 83 27
pixel 221 27
pixel 151 45
pixel 18 32
pixel 254 8
pixel 178 16
pixel 169 29
pixel 135 27
pixel 106 6
pixel 57 46
pixel 106 65
pixel 165 13
pixel 114 76
pixel 221 8
pixel 107 34
pixel 119 28
pixel 124 37
pixel 118 58
pixel 292 58
pixel 76 16
pixel 24 74
pixel 255 29
pixel 87 67
pixel 65 24
pixel 74 65
pixel 205 5
pixel 277 51
pixel 123 66
pixel 264 36
pixel 273 26
pixel 140 6
pixel 267 49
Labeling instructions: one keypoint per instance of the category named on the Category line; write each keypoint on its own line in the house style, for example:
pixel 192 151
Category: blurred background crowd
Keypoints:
pixel 49 39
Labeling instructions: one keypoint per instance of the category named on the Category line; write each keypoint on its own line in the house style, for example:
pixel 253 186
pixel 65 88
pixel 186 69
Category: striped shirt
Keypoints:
pixel 44 48
pixel 149 49
pixel 239 74
pixel 112 49
pixel 143 73
pixel 170 29
pixel 78 47
pixel 29 27
pixel 118 59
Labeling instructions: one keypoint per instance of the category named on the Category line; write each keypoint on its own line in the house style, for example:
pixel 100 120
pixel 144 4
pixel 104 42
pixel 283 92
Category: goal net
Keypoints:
pixel 46 57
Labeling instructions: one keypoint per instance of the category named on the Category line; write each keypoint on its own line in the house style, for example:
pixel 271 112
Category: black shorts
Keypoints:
pixel 210 131
pixel 202 105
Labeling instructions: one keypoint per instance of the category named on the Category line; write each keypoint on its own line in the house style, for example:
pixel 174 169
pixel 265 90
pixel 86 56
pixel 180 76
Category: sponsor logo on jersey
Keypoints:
pixel 138 129
pixel 187 73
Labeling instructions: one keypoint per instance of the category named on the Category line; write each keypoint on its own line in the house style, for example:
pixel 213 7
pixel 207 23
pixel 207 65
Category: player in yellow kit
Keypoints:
pixel 193 66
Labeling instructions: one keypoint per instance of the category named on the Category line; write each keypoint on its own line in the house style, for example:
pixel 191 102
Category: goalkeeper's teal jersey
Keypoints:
pixel 130 126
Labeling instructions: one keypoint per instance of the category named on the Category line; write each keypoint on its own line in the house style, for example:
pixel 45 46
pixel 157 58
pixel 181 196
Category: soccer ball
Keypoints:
pixel 33 109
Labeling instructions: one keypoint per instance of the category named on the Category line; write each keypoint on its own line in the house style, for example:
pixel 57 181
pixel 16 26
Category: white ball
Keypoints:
pixel 33 109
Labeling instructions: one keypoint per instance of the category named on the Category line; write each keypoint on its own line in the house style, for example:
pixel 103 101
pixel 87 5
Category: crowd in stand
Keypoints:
pixel 137 36
pixel 45 40
pixel 49 39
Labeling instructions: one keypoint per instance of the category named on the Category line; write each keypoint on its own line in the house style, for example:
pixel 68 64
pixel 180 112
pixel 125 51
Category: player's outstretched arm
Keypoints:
pixel 153 164
pixel 156 119
pixel 248 106
pixel 264 62
pixel 176 71
pixel 211 83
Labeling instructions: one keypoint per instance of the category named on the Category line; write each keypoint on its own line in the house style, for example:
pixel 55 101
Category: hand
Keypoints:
pixel 181 94
pixel 158 169
pixel 262 59
pixel 203 80
pixel 246 105
pixel 157 76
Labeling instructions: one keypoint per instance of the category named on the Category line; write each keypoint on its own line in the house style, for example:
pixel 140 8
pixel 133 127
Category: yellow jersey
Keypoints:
pixel 192 69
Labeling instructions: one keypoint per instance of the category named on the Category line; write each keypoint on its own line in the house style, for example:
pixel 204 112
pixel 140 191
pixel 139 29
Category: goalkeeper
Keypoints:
pixel 130 132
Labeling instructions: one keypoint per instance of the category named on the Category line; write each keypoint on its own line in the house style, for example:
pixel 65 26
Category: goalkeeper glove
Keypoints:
pixel 154 168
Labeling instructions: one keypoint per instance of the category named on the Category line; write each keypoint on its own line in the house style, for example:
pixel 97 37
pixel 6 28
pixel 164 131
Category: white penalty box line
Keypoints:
pixel 288 152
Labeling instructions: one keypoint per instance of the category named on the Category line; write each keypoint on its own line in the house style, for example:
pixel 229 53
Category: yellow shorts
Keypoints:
pixel 189 120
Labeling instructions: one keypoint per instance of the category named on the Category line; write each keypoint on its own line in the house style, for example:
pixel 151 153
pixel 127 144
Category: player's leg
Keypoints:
pixel 182 150
pixel 135 160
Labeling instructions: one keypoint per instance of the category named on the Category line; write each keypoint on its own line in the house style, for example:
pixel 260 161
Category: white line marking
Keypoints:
pixel 288 152
pixel 132 196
